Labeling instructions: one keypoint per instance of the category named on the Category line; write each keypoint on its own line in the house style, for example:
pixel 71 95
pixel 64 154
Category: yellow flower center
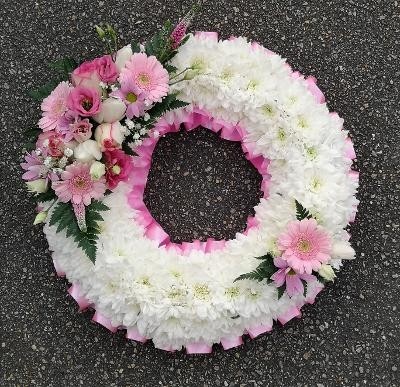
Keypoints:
pixel 304 246
pixel 131 97
pixel 144 79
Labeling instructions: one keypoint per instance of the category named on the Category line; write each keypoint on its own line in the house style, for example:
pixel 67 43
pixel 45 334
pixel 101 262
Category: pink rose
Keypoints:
pixel 106 69
pixel 51 144
pixel 109 136
pixel 84 101
pixel 86 75
pixel 81 130
pixel 118 167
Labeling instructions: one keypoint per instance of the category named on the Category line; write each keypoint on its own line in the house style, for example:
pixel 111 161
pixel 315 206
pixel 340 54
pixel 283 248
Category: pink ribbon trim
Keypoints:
pixel 206 35
pixel 289 314
pixel 82 301
pixel 198 348
pixel 258 330
pixel 100 319
pixel 311 83
pixel 231 342
pixel 142 163
pixel 133 334
pixel 349 149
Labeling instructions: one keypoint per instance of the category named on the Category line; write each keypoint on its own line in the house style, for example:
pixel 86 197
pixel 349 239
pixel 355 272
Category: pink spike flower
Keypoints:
pixel 305 246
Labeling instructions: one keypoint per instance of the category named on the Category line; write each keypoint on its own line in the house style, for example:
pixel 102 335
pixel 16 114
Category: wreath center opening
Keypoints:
pixel 201 186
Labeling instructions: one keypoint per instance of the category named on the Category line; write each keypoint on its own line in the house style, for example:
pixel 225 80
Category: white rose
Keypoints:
pixel 97 170
pixel 112 110
pixel 87 151
pixel 342 250
pixel 327 272
pixel 123 55
pixel 37 186
pixel 109 136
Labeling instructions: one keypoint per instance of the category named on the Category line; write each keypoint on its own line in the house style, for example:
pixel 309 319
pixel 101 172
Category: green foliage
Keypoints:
pixel 31 135
pixel 63 216
pixel 108 36
pixel 47 196
pixel 281 291
pixel 263 271
pixel 42 92
pixel 170 102
pixel 302 212
pixel 171 69
pixel 160 45
pixel 135 47
pixel 63 67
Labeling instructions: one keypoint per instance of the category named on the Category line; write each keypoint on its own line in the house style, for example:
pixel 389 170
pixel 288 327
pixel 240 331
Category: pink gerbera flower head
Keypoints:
pixel 286 275
pixel 305 245
pixel 78 186
pixel 133 97
pixel 148 75
pixel 54 107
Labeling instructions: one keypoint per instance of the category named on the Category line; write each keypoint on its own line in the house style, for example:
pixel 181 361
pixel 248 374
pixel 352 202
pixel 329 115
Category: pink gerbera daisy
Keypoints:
pixel 132 96
pixel 78 186
pixel 148 75
pixel 54 107
pixel 286 275
pixel 305 245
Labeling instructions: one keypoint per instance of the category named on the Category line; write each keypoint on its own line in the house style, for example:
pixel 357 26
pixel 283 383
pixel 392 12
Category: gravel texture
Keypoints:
pixel 350 337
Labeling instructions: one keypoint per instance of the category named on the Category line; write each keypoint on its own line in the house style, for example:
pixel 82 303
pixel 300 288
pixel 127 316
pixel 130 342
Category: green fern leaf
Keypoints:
pixel 302 212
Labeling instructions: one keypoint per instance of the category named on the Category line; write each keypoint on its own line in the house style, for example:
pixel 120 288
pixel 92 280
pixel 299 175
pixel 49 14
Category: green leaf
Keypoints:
pixel 64 65
pixel 302 212
pixel 135 47
pixel 160 45
pixel 42 92
pixel 46 196
pixel 263 271
pixel 170 68
pixel 281 291
pixel 63 216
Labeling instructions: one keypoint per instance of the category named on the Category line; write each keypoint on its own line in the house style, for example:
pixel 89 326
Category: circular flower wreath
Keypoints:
pixel 192 294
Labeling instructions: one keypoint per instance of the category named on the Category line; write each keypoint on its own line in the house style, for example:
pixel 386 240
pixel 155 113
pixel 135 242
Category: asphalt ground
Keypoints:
pixel 349 337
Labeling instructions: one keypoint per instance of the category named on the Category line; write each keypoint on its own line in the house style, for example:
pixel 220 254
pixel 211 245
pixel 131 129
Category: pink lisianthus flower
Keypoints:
pixel 76 185
pixel 54 107
pixel 118 167
pixel 51 144
pixel 148 75
pixel 84 101
pixel 86 75
pixel 35 168
pixel 305 246
pixel 106 69
pixel 132 96
pixel 286 275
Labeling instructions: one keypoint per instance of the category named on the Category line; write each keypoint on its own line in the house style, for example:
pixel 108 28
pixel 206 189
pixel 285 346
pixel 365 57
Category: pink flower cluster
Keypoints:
pixel 78 149
pixel 305 246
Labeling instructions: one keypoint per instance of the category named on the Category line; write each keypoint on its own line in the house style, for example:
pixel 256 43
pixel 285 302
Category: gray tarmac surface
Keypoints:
pixel 349 337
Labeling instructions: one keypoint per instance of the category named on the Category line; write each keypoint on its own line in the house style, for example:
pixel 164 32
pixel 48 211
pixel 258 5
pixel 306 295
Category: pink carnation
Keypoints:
pixel 77 185
pixel 54 107
pixel 148 75
pixel 118 167
pixel 305 246
pixel 51 144
pixel 81 130
pixel 84 101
